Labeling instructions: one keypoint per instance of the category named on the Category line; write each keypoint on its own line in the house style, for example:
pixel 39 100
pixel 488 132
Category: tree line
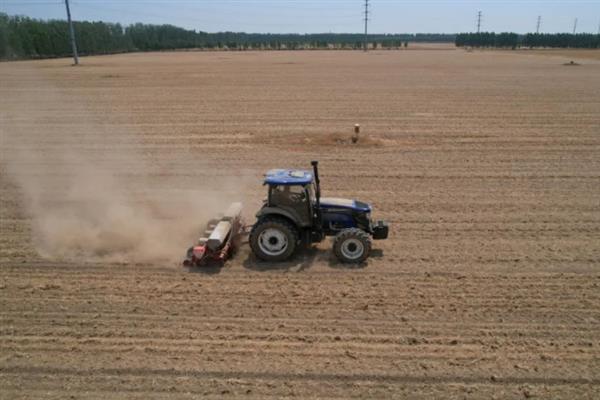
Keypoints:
pixel 513 40
pixel 23 37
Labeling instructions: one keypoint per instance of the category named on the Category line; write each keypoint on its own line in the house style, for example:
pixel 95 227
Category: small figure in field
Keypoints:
pixel 356 133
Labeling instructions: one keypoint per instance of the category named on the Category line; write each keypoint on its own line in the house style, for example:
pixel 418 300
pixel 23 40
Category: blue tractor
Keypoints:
pixel 295 213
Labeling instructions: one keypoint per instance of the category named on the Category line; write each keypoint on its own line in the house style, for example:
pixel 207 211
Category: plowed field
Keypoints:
pixel 486 164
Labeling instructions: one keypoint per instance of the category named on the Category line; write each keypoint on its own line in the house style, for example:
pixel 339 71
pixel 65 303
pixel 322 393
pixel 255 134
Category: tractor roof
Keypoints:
pixel 288 177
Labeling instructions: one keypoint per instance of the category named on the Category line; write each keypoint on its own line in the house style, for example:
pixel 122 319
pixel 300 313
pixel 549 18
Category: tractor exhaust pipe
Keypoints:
pixel 315 165
pixel 317 213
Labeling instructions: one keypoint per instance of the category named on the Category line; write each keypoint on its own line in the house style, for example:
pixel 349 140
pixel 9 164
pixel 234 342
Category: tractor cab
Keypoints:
pixel 292 191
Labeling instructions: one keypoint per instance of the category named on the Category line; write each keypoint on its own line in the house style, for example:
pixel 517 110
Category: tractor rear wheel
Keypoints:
pixel 273 239
pixel 352 246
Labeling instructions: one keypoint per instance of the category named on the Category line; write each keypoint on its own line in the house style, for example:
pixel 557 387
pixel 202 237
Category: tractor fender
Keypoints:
pixel 289 215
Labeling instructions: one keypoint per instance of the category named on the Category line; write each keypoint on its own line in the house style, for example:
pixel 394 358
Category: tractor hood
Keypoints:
pixel 332 202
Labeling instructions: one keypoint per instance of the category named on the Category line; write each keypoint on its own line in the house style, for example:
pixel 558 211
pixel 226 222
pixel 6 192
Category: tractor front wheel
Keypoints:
pixel 273 239
pixel 352 246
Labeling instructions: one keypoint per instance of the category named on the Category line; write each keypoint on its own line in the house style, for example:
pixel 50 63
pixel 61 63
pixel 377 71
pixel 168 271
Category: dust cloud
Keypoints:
pixel 89 191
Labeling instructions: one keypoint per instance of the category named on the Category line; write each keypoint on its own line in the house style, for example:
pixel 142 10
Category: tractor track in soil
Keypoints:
pixel 488 286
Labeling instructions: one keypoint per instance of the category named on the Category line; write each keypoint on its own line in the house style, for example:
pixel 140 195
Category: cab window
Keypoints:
pixel 288 195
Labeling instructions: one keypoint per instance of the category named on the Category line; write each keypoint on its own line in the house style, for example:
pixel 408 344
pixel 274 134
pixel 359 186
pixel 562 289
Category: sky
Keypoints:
pixel 318 16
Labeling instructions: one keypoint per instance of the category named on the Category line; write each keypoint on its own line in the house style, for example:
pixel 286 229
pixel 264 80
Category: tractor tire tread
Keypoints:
pixel 357 234
pixel 274 221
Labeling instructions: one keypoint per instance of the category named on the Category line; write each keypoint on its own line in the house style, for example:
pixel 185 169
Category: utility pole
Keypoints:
pixel 366 44
pixel 539 21
pixel 72 34
pixel 575 26
pixel 478 21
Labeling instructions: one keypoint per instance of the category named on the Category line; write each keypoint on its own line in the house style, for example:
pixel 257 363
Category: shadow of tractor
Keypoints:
pixel 305 259
pixel 302 260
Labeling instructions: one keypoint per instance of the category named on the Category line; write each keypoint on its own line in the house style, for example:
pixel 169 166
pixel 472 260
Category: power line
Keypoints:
pixel 29 3
pixel 338 21
pixel 539 21
pixel 72 34
pixel 366 44
pixel 198 15
pixel 478 21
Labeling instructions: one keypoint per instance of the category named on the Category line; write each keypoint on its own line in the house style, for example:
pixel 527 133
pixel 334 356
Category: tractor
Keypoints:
pixel 294 213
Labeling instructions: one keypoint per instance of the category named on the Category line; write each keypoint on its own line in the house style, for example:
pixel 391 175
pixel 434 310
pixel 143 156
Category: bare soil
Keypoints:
pixel 573 54
pixel 486 164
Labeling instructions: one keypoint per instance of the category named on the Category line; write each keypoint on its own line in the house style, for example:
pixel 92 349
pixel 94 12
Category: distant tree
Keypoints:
pixel 4 49
pixel 506 39
pixel 531 40
pixel 23 37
